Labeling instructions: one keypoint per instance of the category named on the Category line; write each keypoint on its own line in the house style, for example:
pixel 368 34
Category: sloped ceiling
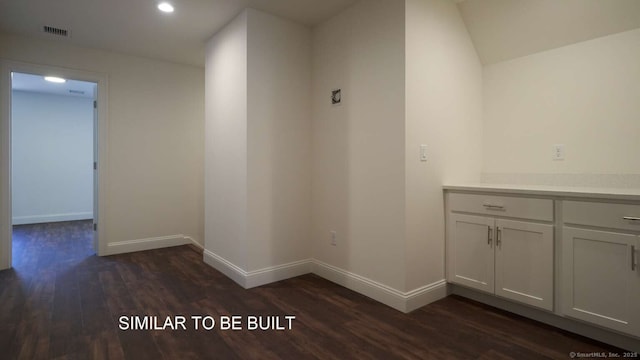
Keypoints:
pixel 507 29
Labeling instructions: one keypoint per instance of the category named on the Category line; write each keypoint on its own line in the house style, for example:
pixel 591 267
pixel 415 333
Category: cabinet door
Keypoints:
pixel 471 255
pixel 524 262
pixel 600 284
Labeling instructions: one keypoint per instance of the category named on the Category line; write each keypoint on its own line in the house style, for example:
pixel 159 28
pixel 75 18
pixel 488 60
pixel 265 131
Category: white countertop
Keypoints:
pixel 559 191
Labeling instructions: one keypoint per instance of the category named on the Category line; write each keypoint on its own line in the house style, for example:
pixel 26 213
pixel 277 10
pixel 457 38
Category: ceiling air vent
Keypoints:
pixel 56 31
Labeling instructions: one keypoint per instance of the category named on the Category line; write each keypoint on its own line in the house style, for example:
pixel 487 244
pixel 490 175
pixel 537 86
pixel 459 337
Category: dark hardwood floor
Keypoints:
pixel 60 301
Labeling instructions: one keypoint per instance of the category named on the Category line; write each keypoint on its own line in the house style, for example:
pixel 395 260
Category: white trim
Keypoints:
pixel 425 295
pixel 5 166
pixel 127 246
pixel 226 267
pixel 35 219
pixel 8 66
pixel 402 301
pixel 278 272
pixel 194 242
pixel 254 278
pixel 399 300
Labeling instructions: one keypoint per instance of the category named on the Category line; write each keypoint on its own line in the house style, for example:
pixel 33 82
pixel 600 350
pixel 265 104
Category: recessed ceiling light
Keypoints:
pixel 165 7
pixel 55 79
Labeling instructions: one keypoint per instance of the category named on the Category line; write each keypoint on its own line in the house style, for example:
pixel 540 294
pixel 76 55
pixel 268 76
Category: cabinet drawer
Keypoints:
pixel 601 214
pixel 517 207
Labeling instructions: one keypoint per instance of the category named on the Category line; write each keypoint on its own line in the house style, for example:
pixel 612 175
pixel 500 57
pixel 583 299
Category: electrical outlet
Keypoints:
pixel 334 242
pixel 558 152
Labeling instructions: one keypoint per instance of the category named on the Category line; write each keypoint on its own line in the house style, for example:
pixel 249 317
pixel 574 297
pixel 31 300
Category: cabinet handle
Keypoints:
pixel 493 207
pixel 631 218
pixel 633 258
pixel 489 237
pixel 498 237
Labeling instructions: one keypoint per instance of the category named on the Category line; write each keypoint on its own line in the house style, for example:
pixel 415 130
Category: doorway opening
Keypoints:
pixel 52 157
pixel 52 143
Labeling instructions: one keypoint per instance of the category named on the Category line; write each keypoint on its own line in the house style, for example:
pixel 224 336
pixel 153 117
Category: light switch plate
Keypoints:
pixel 423 152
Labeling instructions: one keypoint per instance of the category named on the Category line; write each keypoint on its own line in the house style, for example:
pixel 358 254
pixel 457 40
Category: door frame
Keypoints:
pixel 100 142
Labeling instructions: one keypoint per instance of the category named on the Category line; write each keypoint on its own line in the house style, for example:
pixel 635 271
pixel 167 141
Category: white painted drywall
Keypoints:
pixel 52 157
pixel 154 183
pixel 278 140
pixel 585 96
pixel 258 186
pixel 443 111
pixel 226 143
pixel 358 151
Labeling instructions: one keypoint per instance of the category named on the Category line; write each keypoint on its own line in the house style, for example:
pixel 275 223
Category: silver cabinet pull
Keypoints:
pixel 631 218
pixel 489 237
pixel 633 258
pixel 493 207
pixel 498 237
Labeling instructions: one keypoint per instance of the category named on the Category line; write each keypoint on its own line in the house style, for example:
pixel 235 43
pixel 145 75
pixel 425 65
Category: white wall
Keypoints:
pixel 584 96
pixel 154 184
pixel 258 185
pixel 279 140
pixel 52 154
pixel 226 143
pixel 358 147
pixel 443 111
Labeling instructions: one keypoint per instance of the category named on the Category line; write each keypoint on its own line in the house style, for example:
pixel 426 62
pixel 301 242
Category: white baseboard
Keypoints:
pixel 278 273
pixel 250 279
pixel 402 301
pixel 194 242
pixel 121 247
pixel 36 219
pixel 226 267
pixel 425 295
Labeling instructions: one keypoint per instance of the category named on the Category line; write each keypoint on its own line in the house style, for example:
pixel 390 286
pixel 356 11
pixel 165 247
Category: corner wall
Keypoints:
pixel 258 149
pixel 358 146
pixel 279 140
pixel 226 143
pixel 444 112
pixel 404 82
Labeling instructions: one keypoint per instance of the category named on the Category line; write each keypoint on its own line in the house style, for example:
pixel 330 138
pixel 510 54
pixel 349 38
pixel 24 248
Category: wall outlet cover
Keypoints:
pixel 558 152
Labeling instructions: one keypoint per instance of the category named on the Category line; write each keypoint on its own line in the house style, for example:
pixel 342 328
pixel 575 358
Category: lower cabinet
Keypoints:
pixel 600 277
pixel 503 244
pixel 511 259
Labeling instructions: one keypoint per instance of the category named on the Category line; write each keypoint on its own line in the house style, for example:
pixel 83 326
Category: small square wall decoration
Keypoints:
pixel 336 97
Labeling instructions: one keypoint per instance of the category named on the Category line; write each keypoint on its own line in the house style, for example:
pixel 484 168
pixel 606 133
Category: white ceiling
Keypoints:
pixel 500 29
pixel 37 83
pixel 137 27
pixel 507 29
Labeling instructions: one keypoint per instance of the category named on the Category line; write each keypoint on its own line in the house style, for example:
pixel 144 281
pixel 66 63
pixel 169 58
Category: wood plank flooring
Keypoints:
pixel 60 301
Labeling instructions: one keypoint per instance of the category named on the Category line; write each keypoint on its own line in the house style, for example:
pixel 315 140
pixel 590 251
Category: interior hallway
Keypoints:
pixel 60 301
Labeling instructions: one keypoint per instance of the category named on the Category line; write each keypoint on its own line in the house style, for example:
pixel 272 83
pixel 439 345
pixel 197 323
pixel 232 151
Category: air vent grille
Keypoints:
pixel 77 92
pixel 55 31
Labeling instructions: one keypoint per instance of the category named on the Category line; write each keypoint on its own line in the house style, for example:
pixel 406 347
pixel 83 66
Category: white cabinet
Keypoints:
pixel 574 253
pixel 524 262
pixel 471 256
pixel 509 258
pixel 600 276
